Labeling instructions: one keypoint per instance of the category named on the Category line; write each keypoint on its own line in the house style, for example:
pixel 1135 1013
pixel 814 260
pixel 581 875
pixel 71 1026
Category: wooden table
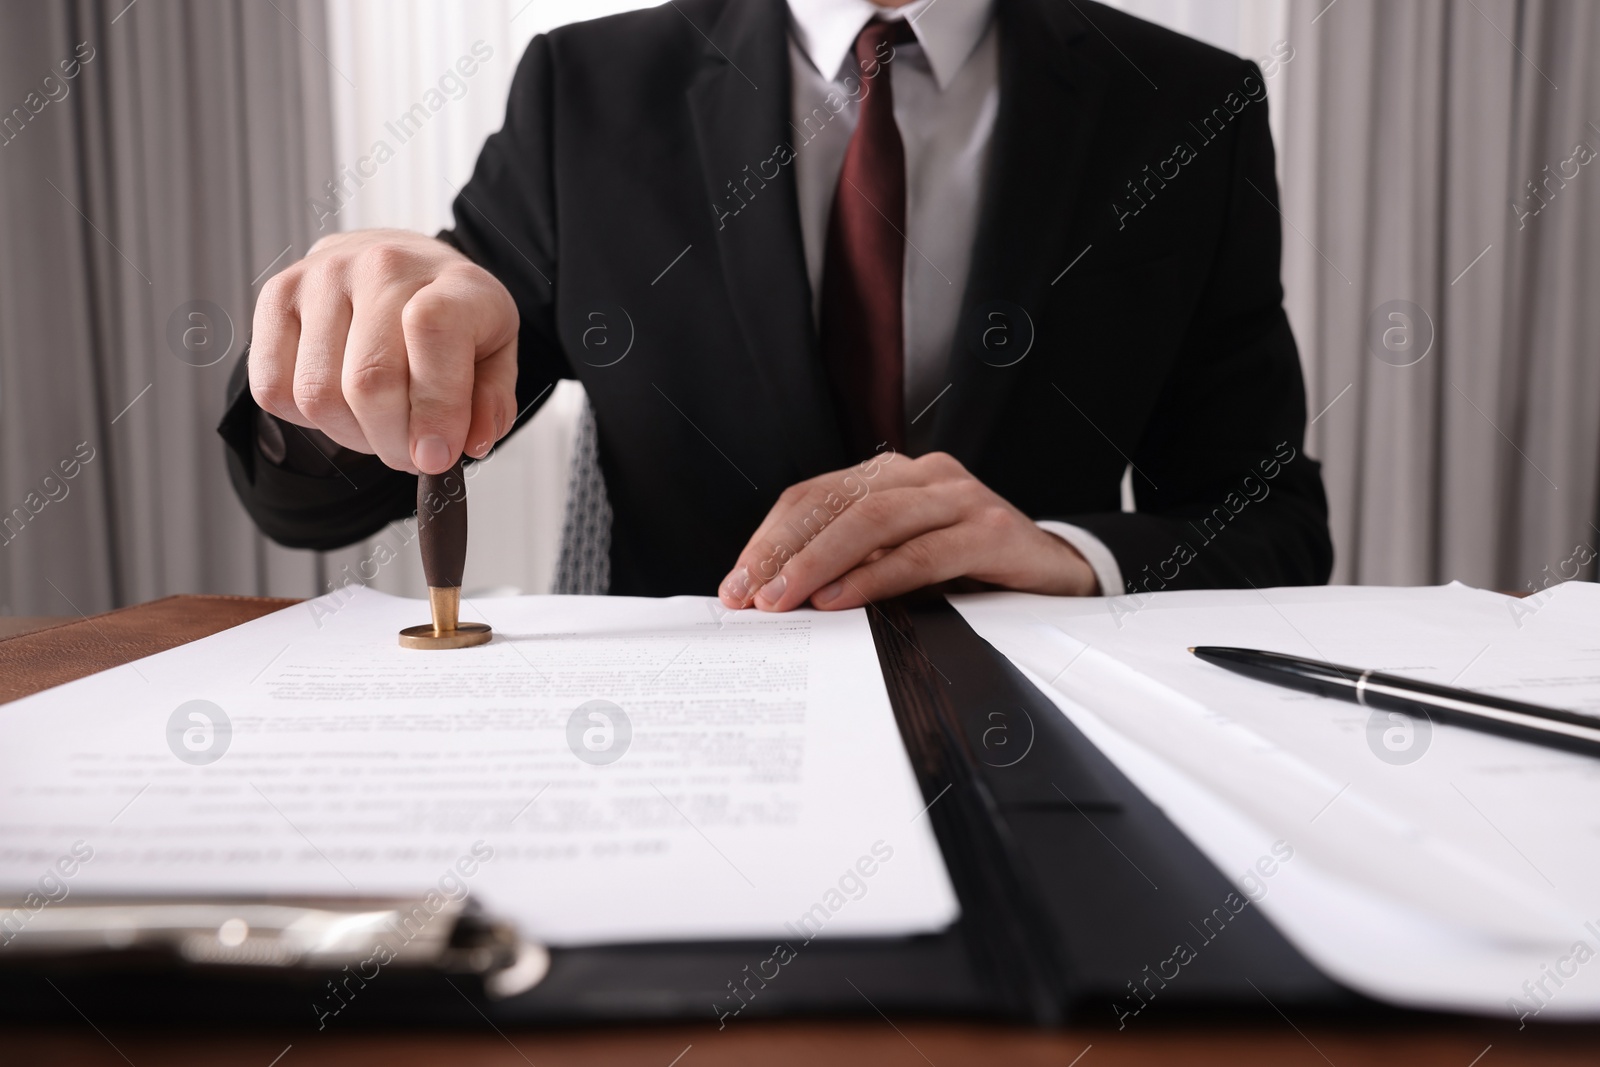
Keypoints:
pixel 1268 1038
pixel 12 625
pixel 882 1044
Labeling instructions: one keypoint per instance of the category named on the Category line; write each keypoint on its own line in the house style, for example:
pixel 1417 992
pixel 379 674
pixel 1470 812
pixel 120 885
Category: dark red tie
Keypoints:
pixel 863 273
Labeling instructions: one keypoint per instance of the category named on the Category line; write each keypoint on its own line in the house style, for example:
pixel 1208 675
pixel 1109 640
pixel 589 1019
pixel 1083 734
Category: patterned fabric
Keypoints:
pixel 584 566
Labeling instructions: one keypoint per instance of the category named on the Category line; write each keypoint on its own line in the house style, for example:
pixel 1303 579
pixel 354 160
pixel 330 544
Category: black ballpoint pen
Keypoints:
pixel 1390 692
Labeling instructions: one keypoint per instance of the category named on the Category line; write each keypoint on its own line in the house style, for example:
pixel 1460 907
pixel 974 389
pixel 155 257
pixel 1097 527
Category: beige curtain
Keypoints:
pixel 155 159
pixel 1460 439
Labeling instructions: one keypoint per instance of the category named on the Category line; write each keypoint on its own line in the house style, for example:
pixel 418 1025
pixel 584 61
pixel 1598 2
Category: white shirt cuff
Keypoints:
pixel 1093 550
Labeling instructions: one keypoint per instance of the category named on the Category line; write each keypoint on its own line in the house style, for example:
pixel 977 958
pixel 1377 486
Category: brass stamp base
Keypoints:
pixel 464 635
pixel 445 631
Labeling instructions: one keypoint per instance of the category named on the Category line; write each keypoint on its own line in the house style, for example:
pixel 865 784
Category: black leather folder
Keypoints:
pixel 1075 890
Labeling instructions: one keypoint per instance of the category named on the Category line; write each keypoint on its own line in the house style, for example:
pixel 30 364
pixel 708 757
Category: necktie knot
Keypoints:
pixel 878 39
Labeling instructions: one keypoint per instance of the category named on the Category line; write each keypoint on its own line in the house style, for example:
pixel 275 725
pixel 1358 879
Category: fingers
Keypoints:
pixel 439 356
pixel 835 490
pixel 494 400
pixel 390 343
pixel 993 544
pixel 803 511
pixel 318 369
pixel 494 384
pixel 274 339
pixel 936 556
pixel 924 522
pixel 884 519
pixel 377 375
pixel 456 329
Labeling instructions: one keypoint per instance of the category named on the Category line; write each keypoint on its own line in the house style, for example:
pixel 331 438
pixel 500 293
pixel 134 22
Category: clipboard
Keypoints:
pixel 1074 890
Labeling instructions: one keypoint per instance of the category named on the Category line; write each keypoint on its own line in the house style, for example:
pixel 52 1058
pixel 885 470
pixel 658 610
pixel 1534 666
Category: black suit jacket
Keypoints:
pixel 1128 244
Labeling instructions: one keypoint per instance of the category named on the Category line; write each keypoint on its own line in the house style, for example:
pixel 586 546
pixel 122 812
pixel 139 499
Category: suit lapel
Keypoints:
pixel 740 107
pixel 1051 92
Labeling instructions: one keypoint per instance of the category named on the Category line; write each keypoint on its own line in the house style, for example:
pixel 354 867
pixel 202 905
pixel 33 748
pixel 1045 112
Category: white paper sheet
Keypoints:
pixel 764 779
pixel 1442 867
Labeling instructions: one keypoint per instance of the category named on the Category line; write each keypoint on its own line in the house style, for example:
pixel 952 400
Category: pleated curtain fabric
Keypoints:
pixel 1441 261
pixel 157 161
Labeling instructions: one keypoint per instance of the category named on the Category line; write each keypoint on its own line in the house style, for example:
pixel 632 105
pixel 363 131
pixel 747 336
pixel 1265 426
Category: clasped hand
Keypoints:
pixel 891 525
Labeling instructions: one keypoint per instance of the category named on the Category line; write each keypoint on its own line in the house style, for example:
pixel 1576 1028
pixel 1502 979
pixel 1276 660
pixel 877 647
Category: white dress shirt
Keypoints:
pixel 946 89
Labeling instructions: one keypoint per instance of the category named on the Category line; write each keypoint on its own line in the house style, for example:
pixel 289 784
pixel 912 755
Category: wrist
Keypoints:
pixel 1068 571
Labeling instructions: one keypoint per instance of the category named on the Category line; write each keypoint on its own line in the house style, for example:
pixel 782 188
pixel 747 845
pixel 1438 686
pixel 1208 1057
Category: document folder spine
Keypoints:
pixel 1010 938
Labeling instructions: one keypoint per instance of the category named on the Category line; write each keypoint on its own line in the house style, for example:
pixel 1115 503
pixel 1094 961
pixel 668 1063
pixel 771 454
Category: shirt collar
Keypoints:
pixel 948 30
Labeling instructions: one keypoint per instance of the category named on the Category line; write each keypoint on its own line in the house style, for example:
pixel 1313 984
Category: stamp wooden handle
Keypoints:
pixel 442 526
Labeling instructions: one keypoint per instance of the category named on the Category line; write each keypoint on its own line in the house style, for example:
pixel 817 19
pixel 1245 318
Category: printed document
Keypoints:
pixel 607 769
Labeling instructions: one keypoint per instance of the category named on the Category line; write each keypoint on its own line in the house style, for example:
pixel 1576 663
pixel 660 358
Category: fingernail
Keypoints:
pixel 737 585
pixel 772 592
pixel 827 593
pixel 432 455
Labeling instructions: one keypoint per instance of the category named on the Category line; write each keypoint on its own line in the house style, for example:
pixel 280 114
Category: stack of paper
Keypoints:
pixel 1431 865
pixel 608 769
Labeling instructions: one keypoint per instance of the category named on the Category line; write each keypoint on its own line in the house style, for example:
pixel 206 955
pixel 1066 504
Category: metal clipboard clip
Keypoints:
pixel 278 933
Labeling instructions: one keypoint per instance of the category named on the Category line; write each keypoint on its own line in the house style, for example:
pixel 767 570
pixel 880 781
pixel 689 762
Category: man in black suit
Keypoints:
pixel 902 291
